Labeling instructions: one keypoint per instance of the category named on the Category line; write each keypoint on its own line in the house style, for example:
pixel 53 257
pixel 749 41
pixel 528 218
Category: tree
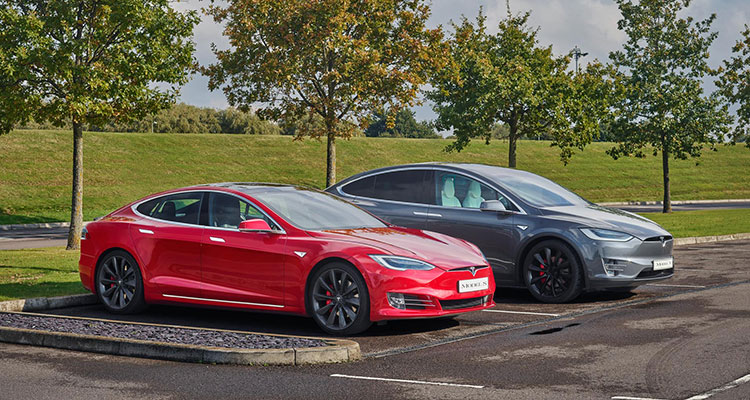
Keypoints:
pixel 660 105
pixel 89 61
pixel 403 125
pixel 331 58
pixel 508 78
pixel 734 85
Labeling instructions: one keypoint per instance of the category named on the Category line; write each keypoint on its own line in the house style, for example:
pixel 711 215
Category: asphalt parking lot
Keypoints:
pixel 686 337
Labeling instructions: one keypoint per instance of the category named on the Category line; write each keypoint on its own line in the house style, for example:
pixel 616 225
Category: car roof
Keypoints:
pixel 253 187
pixel 489 171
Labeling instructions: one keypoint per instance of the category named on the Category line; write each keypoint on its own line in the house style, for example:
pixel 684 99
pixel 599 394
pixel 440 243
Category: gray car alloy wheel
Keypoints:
pixel 118 283
pixel 339 300
pixel 552 273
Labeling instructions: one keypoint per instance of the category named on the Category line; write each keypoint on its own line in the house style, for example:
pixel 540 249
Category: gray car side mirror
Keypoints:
pixel 492 205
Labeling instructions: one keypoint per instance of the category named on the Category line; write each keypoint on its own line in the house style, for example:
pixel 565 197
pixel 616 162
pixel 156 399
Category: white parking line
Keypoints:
pixel 523 312
pixel 371 378
pixel 731 385
pixel 687 286
pixel 632 398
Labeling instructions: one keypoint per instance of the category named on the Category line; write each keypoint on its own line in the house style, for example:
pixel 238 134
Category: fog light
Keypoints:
pixel 613 267
pixel 486 300
pixel 396 300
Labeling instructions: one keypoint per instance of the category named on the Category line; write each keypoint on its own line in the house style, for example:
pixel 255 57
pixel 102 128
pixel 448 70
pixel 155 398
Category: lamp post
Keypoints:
pixel 578 54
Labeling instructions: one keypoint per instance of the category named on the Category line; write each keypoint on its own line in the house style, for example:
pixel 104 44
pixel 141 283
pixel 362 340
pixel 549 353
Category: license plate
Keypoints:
pixel 473 285
pixel 662 264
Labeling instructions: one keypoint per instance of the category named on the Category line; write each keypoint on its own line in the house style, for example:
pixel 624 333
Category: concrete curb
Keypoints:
pixel 338 350
pixel 42 225
pixel 678 202
pixel 47 303
pixel 710 239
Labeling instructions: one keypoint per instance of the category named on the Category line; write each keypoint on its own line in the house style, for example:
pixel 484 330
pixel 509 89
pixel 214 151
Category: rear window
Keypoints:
pixel 180 207
pixel 364 187
pixel 405 186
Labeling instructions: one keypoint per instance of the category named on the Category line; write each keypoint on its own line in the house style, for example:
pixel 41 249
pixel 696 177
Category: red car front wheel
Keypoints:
pixel 339 300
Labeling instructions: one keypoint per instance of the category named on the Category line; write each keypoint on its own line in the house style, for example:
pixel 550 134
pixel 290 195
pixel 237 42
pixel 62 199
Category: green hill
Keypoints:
pixel 35 177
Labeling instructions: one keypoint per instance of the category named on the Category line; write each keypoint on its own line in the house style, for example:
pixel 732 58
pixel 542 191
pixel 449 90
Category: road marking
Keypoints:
pixel 731 385
pixel 371 378
pixel 665 285
pixel 632 398
pixel 523 312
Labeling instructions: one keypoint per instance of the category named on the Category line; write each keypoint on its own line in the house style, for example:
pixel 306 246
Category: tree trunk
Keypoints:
pixel 512 139
pixel 76 209
pixel 665 168
pixel 331 156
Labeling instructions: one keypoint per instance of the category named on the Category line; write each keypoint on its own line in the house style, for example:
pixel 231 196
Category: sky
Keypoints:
pixel 588 24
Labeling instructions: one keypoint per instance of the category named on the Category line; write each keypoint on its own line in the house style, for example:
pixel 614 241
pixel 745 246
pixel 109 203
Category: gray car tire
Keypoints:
pixel 552 273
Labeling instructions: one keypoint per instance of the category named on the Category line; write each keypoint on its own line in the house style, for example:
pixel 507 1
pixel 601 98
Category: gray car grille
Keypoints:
pixel 462 303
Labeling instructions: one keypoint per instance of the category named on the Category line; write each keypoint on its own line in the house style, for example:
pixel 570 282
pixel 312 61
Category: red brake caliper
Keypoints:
pixel 542 272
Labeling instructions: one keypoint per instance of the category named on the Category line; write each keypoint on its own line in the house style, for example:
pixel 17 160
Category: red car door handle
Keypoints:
pixel 216 239
pixel 146 231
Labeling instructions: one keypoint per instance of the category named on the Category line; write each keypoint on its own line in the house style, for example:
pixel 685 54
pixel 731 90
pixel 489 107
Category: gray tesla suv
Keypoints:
pixel 534 232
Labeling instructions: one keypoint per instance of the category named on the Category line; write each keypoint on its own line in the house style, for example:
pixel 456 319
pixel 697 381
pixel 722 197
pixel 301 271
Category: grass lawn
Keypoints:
pixel 35 177
pixel 54 271
pixel 704 222
pixel 39 273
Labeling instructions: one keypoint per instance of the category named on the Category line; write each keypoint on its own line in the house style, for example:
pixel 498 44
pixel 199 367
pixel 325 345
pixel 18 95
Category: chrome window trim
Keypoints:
pixel 222 301
pixel 431 168
pixel 134 208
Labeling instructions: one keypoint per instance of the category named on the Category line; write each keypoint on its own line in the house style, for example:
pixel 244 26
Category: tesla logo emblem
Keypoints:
pixel 300 253
pixel 473 271
pixel 522 227
pixel 663 243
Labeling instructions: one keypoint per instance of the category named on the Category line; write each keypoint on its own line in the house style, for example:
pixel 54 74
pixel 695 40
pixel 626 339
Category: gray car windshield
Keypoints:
pixel 541 192
pixel 315 211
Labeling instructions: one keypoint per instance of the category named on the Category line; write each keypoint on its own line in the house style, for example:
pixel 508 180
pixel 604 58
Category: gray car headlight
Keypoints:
pixel 606 235
pixel 401 263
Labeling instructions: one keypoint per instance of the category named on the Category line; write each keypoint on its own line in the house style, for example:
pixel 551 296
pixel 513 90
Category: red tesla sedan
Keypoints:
pixel 278 248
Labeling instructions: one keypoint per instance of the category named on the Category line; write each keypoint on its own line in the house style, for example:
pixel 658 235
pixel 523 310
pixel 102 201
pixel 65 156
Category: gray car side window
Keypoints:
pixel 361 187
pixel 459 191
pixel 408 186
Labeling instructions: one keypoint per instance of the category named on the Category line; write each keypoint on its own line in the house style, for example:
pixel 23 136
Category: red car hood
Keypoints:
pixel 440 250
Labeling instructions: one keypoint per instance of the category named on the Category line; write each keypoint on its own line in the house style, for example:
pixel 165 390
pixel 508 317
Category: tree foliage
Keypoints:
pixel 399 124
pixel 90 61
pixel 508 77
pixel 335 59
pixel 181 118
pixel 659 103
pixel 734 84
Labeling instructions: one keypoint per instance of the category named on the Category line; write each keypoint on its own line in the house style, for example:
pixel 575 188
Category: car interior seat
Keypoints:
pixel 473 196
pixel 168 211
pixel 226 212
pixel 449 194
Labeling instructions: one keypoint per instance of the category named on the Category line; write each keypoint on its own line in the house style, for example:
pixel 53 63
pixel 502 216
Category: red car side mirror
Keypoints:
pixel 255 225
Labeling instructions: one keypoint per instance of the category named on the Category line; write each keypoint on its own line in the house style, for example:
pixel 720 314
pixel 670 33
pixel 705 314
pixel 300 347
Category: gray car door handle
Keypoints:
pixel 428 214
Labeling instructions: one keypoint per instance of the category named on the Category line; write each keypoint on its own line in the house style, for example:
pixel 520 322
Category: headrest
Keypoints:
pixel 448 189
pixel 474 190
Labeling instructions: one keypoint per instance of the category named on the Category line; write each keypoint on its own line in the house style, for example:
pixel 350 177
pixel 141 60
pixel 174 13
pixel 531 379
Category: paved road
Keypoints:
pixel 686 207
pixel 682 338
pixel 33 238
